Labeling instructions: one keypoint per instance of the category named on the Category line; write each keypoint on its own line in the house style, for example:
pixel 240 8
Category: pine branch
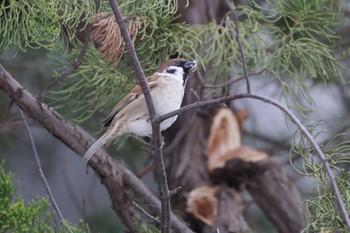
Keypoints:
pixel 41 172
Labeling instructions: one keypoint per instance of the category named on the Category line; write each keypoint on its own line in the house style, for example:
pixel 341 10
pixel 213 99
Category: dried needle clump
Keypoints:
pixel 107 36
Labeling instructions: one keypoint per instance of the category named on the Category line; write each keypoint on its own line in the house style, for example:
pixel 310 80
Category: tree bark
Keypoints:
pixel 270 188
pixel 279 198
pixel 187 167
pixel 230 217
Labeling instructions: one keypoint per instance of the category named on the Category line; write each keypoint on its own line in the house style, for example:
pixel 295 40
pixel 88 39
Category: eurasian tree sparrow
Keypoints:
pixel 130 115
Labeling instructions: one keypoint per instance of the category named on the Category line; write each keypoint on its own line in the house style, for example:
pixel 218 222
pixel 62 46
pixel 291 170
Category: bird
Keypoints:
pixel 131 116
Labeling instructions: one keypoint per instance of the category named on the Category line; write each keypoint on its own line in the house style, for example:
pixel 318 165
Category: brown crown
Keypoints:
pixel 169 63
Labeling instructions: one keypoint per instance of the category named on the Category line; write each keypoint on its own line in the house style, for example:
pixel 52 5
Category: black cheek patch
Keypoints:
pixel 171 71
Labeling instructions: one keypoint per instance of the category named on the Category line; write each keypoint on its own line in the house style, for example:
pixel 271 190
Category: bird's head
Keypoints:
pixel 178 67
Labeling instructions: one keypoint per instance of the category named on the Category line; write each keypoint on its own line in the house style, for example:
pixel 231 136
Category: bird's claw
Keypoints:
pixel 151 148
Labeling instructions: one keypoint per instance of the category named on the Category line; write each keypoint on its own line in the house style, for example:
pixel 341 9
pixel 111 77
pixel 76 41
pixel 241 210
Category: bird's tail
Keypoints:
pixel 95 147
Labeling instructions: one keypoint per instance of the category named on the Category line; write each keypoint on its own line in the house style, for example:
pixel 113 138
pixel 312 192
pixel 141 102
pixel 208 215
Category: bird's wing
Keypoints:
pixel 134 94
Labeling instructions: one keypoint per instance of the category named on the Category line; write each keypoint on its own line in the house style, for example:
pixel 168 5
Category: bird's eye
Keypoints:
pixel 177 63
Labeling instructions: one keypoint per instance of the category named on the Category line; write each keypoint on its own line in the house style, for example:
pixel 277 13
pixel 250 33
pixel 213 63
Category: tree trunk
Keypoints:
pixel 187 165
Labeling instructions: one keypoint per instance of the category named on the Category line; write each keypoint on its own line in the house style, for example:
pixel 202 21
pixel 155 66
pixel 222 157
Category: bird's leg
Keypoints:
pixel 149 147
pixel 147 144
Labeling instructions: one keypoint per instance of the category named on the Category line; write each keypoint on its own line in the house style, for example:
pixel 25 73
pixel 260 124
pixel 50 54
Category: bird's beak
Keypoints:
pixel 190 65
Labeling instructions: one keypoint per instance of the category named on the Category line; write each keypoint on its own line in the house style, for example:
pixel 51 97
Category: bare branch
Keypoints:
pixel 156 221
pixel 41 172
pixel 240 47
pixel 175 191
pixel 156 135
pixel 70 69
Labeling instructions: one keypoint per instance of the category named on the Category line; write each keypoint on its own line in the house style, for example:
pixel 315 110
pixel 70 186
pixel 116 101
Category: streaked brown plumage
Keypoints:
pixel 130 115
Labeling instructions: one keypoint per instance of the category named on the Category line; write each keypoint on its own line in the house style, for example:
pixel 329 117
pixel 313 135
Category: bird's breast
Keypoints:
pixel 169 98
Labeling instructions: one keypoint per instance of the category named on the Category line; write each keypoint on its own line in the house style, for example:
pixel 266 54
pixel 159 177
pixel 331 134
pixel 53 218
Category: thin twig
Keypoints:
pixel 70 69
pixel 341 205
pixel 228 82
pixel 198 98
pixel 342 130
pixel 240 47
pixel 155 220
pixel 175 191
pixel 149 167
pixel 41 172
pixel 156 135
pixel 302 128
